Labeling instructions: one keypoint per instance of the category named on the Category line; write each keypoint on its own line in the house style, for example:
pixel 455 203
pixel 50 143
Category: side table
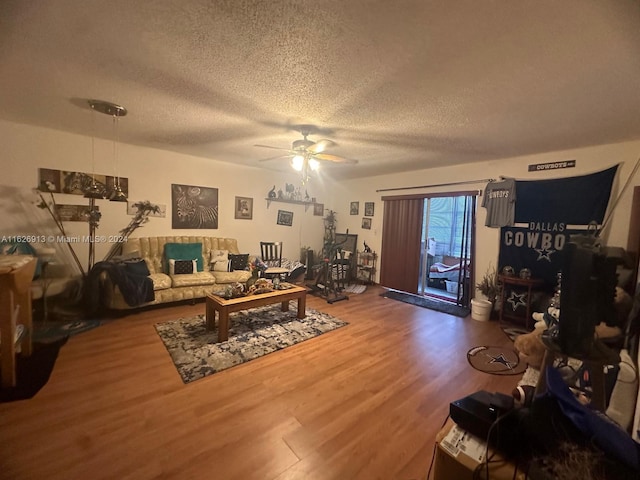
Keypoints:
pixel 16 273
pixel 527 284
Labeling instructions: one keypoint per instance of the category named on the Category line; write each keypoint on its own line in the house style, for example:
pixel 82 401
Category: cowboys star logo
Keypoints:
pixel 517 299
pixel 544 254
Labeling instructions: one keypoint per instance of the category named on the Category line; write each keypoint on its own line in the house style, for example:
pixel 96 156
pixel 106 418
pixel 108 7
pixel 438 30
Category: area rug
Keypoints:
pixel 252 334
pixel 48 332
pixel 354 288
pixel 512 331
pixel 32 373
pixel 421 301
pixel 496 360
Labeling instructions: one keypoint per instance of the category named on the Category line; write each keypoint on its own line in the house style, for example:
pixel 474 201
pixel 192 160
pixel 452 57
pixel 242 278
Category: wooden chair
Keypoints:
pixel 271 253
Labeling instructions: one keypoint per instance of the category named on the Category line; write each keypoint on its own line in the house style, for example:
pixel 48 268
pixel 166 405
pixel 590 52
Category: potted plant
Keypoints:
pixel 489 286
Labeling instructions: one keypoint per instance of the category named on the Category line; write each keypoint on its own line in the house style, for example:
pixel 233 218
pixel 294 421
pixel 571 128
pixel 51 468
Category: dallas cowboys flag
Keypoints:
pixel 547 213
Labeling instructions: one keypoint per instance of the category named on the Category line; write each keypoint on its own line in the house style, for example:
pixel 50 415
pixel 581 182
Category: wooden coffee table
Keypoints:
pixel 226 306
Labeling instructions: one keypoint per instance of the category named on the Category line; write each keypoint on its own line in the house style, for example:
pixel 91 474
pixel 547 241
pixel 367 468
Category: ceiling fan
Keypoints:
pixel 306 154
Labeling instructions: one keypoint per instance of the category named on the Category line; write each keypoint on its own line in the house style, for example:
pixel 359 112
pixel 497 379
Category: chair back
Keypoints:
pixel 271 253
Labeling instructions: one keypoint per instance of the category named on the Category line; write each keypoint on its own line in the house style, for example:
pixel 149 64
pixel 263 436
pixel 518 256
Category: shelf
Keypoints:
pixel 292 202
pixel 366 267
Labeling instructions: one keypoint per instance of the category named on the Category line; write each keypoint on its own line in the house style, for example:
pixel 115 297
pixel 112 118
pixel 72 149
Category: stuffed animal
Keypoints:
pixel 530 347
pixel 548 319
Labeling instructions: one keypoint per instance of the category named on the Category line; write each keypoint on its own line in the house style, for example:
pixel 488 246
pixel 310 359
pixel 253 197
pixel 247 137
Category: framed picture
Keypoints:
pixel 318 209
pixel 132 209
pixel 74 213
pixel 347 242
pixel 354 209
pixel 194 207
pixel 368 209
pixel 76 183
pixel 366 223
pixel 285 218
pixel 244 208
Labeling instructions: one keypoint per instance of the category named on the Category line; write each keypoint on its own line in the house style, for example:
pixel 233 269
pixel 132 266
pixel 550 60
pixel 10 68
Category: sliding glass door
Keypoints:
pixel 447 240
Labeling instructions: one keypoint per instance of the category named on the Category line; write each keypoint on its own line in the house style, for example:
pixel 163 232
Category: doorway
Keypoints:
pixel 448 227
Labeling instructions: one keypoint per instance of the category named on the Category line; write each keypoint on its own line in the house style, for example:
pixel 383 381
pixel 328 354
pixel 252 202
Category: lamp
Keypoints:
pixel 94 191
pixel 305 163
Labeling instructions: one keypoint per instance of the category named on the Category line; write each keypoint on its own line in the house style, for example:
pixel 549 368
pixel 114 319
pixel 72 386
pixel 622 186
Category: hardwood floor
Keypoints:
pixel 361 402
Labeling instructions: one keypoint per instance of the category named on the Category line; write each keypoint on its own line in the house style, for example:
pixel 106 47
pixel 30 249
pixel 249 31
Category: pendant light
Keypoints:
pixel 116 111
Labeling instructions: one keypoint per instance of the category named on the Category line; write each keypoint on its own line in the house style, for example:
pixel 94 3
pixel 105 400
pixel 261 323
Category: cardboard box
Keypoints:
pixel 459 454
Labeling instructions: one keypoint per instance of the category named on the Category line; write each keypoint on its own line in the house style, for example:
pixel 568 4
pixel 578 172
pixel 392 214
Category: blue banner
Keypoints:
pixel 553 210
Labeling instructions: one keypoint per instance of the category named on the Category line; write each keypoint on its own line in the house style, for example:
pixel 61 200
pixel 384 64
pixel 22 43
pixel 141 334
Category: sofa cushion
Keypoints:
pixel 219 260
pixel 231 277
pixel 183 251
pixel 161 281
pixel 189 280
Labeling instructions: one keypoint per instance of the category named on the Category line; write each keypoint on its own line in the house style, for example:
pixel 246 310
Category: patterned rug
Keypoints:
pixel 252 334
pixel 354 288
pixel 496 360
pixel 512 331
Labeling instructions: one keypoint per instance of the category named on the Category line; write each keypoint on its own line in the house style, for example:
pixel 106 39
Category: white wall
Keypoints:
pixel 588 160
pixel 151 173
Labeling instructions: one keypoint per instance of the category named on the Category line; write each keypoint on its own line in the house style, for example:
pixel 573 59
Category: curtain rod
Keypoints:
pixel 483 180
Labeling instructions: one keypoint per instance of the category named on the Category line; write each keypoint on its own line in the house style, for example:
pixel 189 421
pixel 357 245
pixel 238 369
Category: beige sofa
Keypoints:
pixel 177 287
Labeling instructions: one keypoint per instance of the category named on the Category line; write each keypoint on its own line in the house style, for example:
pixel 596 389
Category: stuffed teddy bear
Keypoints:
pixel 530 347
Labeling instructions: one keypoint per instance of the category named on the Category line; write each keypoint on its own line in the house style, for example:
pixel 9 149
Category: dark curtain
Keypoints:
pixel 401 235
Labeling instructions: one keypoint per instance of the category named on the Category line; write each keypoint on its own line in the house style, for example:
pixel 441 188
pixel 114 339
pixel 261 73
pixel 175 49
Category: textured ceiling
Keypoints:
pixel 398 85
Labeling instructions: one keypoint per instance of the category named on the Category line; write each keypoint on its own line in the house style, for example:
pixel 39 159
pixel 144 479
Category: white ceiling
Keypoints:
pixel 399 85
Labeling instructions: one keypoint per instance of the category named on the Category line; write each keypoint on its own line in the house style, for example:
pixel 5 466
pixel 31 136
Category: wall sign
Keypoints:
pixel 536 167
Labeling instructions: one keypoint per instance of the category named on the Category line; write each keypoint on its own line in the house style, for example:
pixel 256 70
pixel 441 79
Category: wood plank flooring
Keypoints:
pixel 361 402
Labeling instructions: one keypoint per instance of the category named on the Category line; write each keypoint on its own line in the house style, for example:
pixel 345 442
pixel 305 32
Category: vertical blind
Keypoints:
pixel 401 235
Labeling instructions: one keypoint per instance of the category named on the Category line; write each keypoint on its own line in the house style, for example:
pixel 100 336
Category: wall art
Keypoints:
pixel 368 209
pixel 366 223
pixel 132 209
pixel 73 213
pixel 285 218
pixel 77 183
pixel 354 208
pixel 318 209
pixel 194 207
pixel 244 208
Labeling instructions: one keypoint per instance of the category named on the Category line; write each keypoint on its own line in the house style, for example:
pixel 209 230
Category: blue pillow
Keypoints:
pixel 183 251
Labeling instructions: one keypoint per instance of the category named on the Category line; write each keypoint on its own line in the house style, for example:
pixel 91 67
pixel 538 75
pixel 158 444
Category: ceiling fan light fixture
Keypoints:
pixel 297 163
pixel 314 164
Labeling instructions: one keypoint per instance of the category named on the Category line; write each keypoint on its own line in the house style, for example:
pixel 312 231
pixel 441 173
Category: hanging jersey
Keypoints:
pixel 500 201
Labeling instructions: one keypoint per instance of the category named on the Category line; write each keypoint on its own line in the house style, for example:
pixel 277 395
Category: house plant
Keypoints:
pixel 489 286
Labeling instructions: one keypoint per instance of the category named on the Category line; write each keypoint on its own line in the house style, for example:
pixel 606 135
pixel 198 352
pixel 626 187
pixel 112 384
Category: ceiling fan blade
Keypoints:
pixel 275 148
pixel 321 145
pixel 274 158
pixel 334 158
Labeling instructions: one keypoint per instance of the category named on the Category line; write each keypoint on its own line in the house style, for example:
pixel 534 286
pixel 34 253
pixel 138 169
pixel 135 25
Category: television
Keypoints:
pixel 587 293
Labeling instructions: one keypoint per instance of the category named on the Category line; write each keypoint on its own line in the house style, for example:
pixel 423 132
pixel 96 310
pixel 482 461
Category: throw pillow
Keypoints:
pixel 238 261
pixel 137 267
pixel 220 260
pixel 182 267
pixel 183 251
